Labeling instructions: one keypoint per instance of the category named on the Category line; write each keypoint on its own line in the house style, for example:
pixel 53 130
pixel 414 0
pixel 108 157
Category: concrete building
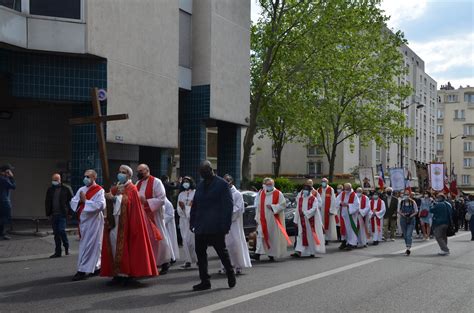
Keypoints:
pixel 299 160
pixel 455 133
pixel 179 69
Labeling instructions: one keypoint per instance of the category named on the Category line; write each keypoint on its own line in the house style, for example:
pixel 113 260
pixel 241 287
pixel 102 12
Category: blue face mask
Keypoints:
pixel 122 178
pixel 324 184
pixel 305 193
pixel 87 181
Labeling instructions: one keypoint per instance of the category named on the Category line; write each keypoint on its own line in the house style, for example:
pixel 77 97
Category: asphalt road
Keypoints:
pixel 375 279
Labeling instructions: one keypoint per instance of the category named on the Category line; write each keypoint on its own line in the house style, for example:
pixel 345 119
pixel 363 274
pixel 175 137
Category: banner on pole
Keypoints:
pixel 366 177
pixel 437 176
pixel 397 178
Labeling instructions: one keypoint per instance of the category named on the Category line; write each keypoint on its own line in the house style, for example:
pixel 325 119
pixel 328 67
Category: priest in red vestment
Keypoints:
pixel 126 249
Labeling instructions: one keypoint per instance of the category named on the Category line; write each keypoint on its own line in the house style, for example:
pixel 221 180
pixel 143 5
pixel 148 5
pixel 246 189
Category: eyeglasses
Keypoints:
pixel 86 176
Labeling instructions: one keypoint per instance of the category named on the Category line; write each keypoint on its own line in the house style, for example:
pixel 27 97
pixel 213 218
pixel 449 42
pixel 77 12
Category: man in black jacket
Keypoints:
pixel 390 217
pixel 57 204
pixel 211 218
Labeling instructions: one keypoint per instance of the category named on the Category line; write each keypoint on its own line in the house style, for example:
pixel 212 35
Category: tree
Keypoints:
pixel 352 86
pixel 279 29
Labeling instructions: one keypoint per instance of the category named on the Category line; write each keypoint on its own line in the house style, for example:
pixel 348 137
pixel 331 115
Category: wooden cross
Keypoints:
pixel 99 120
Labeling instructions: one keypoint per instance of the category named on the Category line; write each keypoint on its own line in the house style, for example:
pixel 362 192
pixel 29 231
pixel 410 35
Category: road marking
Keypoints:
pixel 264 292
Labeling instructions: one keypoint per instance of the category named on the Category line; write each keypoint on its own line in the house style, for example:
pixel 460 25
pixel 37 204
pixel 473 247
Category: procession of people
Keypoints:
pixel 130 231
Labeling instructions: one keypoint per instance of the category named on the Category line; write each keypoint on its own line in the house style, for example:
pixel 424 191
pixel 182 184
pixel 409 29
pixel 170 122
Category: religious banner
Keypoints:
pixel 437 176
pixel 422 174
pixel 366 177
pixel 397 178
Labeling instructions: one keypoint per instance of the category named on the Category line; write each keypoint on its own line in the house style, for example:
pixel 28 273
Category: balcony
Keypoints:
pixel 47 25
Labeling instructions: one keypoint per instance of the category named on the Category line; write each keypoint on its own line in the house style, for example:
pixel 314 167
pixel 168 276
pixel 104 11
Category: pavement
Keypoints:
pixel 374 279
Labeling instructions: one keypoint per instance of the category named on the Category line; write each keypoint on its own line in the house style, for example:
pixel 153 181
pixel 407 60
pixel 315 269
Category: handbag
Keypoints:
pixel 424 213
pixel 467 217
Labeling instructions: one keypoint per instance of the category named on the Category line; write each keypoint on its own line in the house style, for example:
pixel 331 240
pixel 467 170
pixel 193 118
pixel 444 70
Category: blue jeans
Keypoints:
pixel 5 216
pixel 59 229
pixel 407 224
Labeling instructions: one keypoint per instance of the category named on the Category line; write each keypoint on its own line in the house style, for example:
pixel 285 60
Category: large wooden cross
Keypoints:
pixel 99 120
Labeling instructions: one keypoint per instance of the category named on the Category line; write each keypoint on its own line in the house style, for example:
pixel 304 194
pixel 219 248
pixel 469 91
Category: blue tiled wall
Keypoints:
pixel 194 109
pixel 63 78
pixel 228 151
pixel 156 158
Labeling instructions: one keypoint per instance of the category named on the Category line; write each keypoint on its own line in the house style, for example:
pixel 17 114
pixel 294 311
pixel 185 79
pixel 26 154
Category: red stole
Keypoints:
pixel 375 219
pixel 327 204
pixel 311 221
pixel 263 220
pixel 89 194
pixel 148 212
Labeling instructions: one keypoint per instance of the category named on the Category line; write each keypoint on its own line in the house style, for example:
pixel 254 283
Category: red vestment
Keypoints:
pixel 134 255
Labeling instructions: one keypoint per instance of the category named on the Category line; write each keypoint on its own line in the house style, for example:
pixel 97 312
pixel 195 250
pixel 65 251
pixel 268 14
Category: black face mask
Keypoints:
pixel 140 176
pixel 389 193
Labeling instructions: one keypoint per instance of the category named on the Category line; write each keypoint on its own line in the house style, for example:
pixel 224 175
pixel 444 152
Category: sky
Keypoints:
pixel 441 32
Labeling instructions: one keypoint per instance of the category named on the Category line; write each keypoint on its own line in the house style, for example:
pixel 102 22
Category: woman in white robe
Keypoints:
pixel 185 201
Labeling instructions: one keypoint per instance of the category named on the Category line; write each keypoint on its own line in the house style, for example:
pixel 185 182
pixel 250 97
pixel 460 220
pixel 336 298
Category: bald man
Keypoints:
pixel 57 207
pixel 153 197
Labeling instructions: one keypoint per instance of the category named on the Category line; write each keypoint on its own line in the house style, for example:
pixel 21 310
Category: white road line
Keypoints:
pixel 264 292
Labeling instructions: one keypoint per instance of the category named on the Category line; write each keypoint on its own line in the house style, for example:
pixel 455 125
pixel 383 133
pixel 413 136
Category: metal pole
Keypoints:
pixel 450 161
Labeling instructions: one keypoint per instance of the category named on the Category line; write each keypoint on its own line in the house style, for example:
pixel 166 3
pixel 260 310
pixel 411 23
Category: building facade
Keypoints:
pixel 455 133
pixel 179 69
pixel 299 160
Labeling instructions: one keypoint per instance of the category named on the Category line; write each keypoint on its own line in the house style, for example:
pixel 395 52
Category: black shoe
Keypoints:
pixel 408 252
pixel 255 257
pixel 295 255
pixel 326 242
pixel 172 261
pixel 343 245
pixel 5 237
pixel 115 281
pixel 164 269
pixel 56 255
pixel 66 251
pixel 271 259
pixel 231 279
pixel 79 276
pixel 205 285
pixel 95 273
pixel 376 243
pixel 348 248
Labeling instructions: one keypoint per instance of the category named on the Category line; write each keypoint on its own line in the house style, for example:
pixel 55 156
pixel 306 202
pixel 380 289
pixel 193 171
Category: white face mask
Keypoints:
pixel 339 190
pixel 269 187
pixel 376 197
pixel 55 183
pixel 186 185
pixel 359 194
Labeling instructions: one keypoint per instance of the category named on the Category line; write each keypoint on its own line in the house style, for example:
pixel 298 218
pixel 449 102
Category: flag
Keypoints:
pixel 453 186
pixel 381 177
pixel 407 182
pixel 446 185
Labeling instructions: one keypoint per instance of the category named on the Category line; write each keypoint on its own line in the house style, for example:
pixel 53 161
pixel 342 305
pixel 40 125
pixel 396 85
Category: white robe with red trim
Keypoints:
pixel 161 248
pixel 314 211
pixel 92 228
pixel 364 223
pixel 376 234
pixel 331 232
pixel 351 209
pixel 278 243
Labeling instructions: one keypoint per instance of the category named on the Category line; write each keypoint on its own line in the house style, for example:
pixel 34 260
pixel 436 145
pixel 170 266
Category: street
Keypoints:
pixel 375 279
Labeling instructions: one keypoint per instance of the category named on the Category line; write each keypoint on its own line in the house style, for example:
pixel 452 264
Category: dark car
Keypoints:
pixel 249 215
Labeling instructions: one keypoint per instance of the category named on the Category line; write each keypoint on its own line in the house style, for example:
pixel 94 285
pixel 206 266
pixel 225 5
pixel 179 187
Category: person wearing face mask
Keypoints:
pixel 425 215
pixel 390 217
pixel 153 196
pixel 310 238
pixel 89 204
pixel 407 210
pixel 442 219
pixel 211 220
pixel 126 249
pixel 235 239
pixel 57 208
pixel 185 201
pixel 349 205
pixel 363 219
pixel 272 238
pixel 328 210
pixel 377 212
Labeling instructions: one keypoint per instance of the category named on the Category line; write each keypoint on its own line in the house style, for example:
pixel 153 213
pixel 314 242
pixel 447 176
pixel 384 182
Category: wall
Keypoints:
pixel 140 43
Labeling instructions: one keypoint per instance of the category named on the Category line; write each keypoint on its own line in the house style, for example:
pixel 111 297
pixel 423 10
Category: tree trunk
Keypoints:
pixel 278 151
pixel 332 161
pixel 248 144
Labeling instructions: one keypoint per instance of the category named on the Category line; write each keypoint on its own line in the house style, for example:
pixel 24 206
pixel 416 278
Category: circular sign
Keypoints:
pixel 102 94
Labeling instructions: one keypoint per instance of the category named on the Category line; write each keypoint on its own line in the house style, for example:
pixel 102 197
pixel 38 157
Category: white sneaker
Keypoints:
pixel 443 253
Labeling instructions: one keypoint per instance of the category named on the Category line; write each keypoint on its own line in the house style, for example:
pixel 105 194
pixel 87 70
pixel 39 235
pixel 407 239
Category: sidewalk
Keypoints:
pixel 31 241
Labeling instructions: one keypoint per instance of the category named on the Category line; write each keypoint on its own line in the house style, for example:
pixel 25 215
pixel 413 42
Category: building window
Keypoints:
pixel 440 114
pixel 467 146
pixel 452 98
pixel 439 145
pixel 211 144
pixel 314 150
pixel 459 114
pixel 12 4
pixel 469 97
pixel 56 8
pixel 440 130
pixel 311 168
pixel 319 168
pixel 469 130
pixel 466 179
pixel 467 162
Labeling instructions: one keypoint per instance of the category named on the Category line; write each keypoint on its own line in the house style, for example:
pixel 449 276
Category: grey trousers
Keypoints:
pixel 440 233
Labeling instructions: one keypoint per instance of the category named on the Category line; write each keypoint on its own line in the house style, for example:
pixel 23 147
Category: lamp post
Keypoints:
pixel 402 108
pixel 450 156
